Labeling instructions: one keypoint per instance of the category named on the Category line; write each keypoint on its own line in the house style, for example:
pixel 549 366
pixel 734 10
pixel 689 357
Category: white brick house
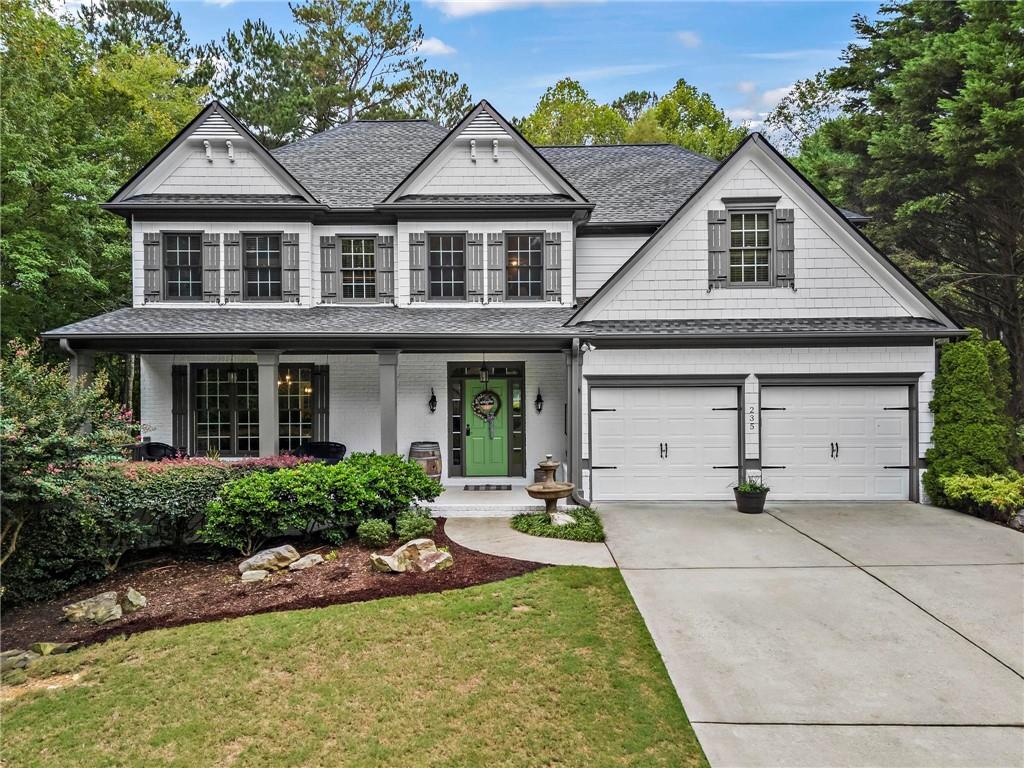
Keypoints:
pixel 663 323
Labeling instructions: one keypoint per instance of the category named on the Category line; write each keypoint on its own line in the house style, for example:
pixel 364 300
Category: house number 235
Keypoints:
pixel 751 421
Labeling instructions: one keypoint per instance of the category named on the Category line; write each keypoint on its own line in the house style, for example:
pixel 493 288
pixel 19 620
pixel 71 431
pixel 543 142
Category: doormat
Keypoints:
pixel 487 487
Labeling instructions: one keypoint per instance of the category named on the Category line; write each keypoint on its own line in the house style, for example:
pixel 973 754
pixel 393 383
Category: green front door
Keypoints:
pixel 486 445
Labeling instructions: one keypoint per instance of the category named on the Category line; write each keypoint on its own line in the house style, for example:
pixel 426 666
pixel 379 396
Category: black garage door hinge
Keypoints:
pixel 603 410
pixel 604 467
pixel 734 408
pixel 897 408
pixel 726 466
pixel 766 408
pixel 768 467
pixel 896 466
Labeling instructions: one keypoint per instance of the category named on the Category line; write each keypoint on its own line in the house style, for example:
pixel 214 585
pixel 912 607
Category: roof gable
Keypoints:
pixel 484 155
pixel 213 155
pixel 839 272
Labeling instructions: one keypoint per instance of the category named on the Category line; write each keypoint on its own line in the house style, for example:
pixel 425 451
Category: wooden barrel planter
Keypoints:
pixel 428 456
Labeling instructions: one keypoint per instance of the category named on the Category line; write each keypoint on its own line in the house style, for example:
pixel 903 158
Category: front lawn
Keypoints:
pixel 552 668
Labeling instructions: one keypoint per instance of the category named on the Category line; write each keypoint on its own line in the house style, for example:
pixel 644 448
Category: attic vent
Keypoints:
pixel 215 126
pixel 483 126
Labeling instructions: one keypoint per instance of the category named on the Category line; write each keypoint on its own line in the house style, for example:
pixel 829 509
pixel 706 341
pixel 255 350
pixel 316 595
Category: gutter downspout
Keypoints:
pixel 576 423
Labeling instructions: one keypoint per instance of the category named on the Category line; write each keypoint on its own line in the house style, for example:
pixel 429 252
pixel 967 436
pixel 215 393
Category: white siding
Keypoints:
pixel 187 171
pixel 833 277
pixel 597 258
pixel 405 227
pixel 307 248
pixel 330 230
pixel 455 172
pixel 750 362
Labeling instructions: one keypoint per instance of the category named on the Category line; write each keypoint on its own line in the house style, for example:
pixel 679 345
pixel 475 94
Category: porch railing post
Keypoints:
pixel 387 368
pixel 267 362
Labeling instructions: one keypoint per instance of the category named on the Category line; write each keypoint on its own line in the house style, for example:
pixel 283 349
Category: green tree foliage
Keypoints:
pixel 972 433
pixel 567 114
pixel 689 118
pixel 929 140
pixel 634 103
pixel 43 438
pixel 438 96
pixel 74 126
pixel 144 24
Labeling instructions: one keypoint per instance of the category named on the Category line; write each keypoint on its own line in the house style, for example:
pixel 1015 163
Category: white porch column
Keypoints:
pixel 267 361
pixel 387 368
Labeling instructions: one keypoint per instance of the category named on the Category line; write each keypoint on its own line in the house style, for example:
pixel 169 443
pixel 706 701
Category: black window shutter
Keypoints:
pixel 495 266
pixel 232 267
pixel 784 266
pixel 321 402
pixel 328 269
pixel 718 250
pixel 290 267
pixel 211 267
pixel 417 266
pixel 179 407
pixel 153 266
pixel 476 267
pixel 552 266
pixel 385 260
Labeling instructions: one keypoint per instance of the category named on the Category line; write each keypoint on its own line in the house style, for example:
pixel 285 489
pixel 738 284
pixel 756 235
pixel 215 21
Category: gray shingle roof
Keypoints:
pixel 357 164
pixel 632 183
pixel 215 199
pixel 156 321
pixel 501 321
pixel 756 326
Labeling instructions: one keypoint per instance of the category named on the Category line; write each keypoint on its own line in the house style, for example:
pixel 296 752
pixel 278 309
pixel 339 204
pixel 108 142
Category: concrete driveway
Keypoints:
pixel 834 634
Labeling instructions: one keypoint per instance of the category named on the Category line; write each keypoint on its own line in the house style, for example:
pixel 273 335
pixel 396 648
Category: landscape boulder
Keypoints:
pixel 98 609
pixel 270 559
pixel 562 518
pixel 52 649
pixel 416 556
pixel 1017 521
pixel 258 575
pixel 132 600
pixel 306 561
pixel 16 659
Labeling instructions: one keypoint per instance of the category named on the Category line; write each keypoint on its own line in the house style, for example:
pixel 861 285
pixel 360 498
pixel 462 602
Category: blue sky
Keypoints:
pixel 744 54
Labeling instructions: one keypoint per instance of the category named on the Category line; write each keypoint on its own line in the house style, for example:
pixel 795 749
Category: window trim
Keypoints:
pixel 244 267
pixel 734 206
pixel 165 294
pixel 543 265
pixel 338 237
pixel 464 234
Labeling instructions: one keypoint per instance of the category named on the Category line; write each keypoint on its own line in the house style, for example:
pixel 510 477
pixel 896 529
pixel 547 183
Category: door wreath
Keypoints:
pixel 486 406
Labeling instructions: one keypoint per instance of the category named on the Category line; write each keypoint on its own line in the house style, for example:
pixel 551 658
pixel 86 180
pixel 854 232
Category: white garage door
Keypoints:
pixel 835 442
pixel 664 443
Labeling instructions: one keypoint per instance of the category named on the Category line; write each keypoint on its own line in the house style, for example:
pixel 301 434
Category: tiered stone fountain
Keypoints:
pixel 550 491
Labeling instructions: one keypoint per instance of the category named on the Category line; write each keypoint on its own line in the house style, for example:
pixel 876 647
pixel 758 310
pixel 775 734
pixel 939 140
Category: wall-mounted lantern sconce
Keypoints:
pixel 432 402
pixel 539 402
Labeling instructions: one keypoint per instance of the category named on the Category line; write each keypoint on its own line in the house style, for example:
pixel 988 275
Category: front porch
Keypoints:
pixel 457 501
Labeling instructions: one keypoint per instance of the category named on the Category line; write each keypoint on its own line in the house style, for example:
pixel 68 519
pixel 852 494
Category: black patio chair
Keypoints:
pixel 325 451
pixel 155 452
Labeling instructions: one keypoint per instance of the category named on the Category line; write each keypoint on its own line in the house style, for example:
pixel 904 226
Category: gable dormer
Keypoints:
pixel 214 159
pixel 484 155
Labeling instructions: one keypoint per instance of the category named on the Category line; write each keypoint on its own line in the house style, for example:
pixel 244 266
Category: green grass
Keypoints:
pixel 587 528
pixel 552 668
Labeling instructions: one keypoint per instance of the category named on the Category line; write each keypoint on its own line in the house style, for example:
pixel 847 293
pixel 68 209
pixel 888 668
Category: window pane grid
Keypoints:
pixel 295 407
pixel 263 266
pixel 213 410
pixel 749 248
pixel 447 266
pixel 524 262
pixel 183 266
pixel 358 268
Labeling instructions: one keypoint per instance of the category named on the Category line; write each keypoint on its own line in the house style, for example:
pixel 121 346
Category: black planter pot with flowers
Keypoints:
pixel 750 497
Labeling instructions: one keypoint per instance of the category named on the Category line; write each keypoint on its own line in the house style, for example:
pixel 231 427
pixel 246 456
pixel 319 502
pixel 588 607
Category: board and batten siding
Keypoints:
pixel 563 227
pixel 830 281
pixel 749 362
pixel 597 259
pixel 306 294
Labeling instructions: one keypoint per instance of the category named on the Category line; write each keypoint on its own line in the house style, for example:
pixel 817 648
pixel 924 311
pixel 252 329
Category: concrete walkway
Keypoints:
pixel 494 536
pixel 834 634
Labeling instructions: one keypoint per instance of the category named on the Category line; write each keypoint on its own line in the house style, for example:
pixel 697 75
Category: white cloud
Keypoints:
pixel 746 86
pixel 742 114
pixel 434 46
pixel 804 53
pixel 221 3
pixel 688 38
pixel 460 8
pixel 773 96
pixel 757 105
pixel 595 73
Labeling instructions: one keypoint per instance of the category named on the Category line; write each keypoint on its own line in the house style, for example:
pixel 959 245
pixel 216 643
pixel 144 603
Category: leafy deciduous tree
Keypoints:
pixel 567 114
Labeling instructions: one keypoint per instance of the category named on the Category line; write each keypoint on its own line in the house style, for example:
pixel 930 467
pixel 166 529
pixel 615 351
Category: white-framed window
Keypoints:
pixel 750 248
pixel 358 267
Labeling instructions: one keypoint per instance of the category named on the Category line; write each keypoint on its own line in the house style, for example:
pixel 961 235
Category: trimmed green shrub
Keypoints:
pixel 393 484
pixel 414 524
pixel 587 527
pixel 374 533
pixel 246 513
pixel 993 497
pixel 973 432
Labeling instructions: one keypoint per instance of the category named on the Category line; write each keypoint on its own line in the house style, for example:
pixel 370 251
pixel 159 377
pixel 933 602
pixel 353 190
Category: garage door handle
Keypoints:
pixel 604 467
pixel 602 410
pixel 768 467
pixel 766 408
pixel 896 466
pixel 726 466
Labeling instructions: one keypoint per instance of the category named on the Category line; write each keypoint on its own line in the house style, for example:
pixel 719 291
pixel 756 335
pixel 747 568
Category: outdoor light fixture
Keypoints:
pixel 484 373
pixel 539 402
pixel 432 402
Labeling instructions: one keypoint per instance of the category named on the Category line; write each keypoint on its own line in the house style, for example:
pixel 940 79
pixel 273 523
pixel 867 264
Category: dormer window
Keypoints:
pixel 750 248
pixel 263 267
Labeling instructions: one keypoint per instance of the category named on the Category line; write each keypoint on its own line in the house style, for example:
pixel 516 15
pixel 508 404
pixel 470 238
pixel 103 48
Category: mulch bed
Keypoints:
pixel 183 590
